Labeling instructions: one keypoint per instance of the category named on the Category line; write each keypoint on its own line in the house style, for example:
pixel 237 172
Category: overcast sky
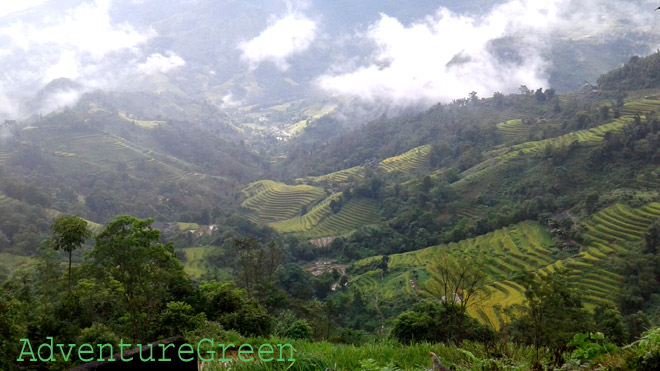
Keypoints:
pixel 405 63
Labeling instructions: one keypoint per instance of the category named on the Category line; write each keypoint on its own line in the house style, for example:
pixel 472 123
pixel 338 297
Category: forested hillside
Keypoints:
pixel 521 231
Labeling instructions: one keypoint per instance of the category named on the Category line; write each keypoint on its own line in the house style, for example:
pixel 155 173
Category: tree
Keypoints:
pixel 591 202
pixel 610 322
pixel 256 263
pixel 70 232
pixel 127 252
pixel 652 238
pixel 433 322
pixel 229 306
pixel 549 93
pixel 540 97
pixel 455 282
pixel 551 313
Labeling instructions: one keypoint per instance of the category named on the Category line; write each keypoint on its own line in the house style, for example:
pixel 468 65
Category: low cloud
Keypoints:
pixel 285 37
pixel 446 55
pixel 160 63
pixel 81 43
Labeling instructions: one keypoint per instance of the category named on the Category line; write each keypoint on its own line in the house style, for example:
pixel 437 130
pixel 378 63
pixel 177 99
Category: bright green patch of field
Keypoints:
pixel 271 201
pixel 309 220
pixel 513 131
pixel 187 226
pixel 297 127
pixel 355 213
pixel 195 265
pixel 408 161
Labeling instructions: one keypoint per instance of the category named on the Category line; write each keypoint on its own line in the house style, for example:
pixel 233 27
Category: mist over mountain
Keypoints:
pixel 237 53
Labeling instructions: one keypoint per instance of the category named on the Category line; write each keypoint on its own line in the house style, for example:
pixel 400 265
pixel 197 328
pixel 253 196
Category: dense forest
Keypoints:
pixel 537 212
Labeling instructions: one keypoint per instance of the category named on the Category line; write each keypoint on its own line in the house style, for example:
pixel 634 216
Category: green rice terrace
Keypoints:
pixel 269 201
pixel 304 209
pixel 280 206
pixel 504 253
pixel 406 162
pixel 355 213
pixel 584 137
pixel 513 131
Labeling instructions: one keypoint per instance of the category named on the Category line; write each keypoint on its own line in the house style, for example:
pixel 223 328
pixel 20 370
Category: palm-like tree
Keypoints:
pixel 70 232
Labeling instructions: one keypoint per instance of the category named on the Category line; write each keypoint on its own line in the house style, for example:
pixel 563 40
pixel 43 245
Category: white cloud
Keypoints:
pixel 445 56
pixel 86 29
pixel 9 7
pixel 59 99
pixel 80 43
pixel 160 63
pixel 286 36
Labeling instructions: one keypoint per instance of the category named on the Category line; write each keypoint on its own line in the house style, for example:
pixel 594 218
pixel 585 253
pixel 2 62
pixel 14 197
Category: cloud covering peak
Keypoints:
pixel 286 36
pixel 82 43
pixel 446 55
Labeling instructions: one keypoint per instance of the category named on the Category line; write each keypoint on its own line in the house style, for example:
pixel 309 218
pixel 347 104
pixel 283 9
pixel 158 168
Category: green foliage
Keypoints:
pixel 97 334
pixel 299 329
pixel 551 313
pixel 652 238
pixel 638 73
pixel 12 327
pixel 229 306
pixel 644 354
pixel 148 273
pixel 609 321
pixel 179 318
pixel 590 347
pixel 433 321
pixel 70 232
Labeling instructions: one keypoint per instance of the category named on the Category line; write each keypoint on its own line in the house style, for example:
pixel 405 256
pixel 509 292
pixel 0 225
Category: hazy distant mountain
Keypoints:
pixel 240 53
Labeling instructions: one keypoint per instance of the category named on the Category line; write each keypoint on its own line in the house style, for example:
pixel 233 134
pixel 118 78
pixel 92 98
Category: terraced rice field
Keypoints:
pixel 641 107
pixel 608 228
pixel 356 172
pixel 408 161
pixel 405 162
pixel 354 214
pixel 527 246
pixel 270 201
pixel 5 157
pixel 95 147
pixel 309 220
pixel 502 253
pixel 108 149
pixel 582 137
pixel 513 131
